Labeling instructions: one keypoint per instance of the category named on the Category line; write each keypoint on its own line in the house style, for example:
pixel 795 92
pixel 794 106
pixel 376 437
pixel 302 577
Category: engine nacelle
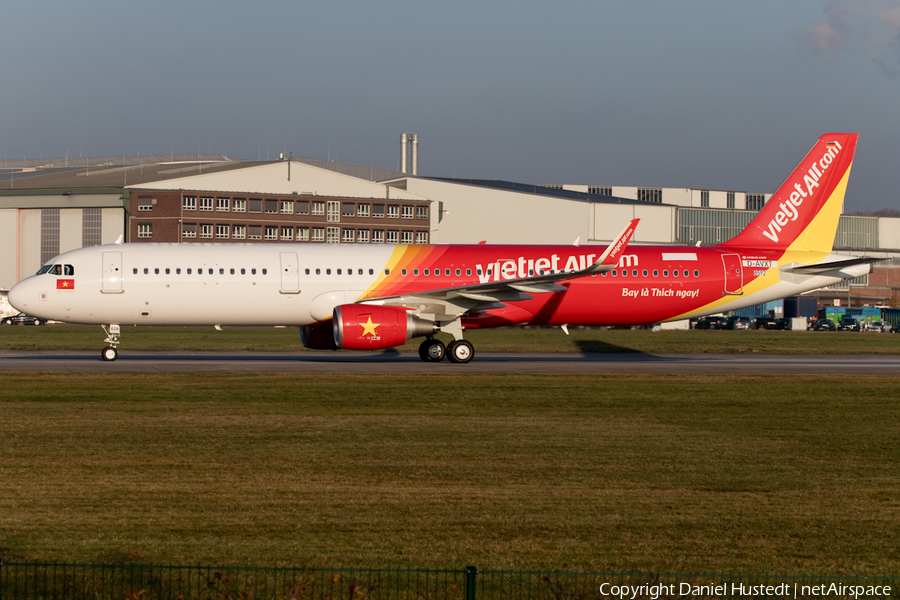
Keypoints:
pixel 318 336
pixel 368 327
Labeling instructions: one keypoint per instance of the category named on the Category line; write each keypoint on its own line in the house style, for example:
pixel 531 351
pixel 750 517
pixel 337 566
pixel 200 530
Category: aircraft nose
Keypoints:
pixel 18 296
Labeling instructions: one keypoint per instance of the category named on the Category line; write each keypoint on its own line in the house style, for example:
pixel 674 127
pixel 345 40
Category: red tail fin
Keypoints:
pixel 805 210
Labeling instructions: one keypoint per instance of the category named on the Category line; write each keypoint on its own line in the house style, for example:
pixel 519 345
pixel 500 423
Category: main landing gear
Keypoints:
pixel 112 338
pixel 458 351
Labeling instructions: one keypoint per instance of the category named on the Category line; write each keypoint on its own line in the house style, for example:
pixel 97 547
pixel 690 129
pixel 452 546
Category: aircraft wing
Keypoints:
pixel 454 301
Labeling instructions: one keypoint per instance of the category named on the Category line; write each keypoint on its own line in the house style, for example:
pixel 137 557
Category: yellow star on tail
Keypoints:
pixel 369 328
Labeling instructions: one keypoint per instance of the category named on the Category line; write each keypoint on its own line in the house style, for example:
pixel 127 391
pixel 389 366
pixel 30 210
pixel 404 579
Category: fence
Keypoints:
pixel 144 582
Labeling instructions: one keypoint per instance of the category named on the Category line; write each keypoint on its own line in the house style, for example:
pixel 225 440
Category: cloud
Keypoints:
pixel 870 28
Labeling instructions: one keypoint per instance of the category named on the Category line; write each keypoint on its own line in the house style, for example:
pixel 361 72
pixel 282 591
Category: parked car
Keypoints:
pixel 736 323
pixel 824 325
pixel 762 322
pixel 22 319
pixel 879 326
pixel 713 322
pixel 848 323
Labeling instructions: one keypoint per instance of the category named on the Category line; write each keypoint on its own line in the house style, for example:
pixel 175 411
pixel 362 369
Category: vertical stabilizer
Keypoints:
pixel 803 214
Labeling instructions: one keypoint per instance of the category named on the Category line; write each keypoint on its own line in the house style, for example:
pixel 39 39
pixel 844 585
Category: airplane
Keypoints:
pixel 371 297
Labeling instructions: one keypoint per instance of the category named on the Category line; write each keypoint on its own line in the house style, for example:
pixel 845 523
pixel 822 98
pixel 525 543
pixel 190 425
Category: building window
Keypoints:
pixel 334 212
pixel 303 234
pixel 378 236
pixel 348 209
pixel 393 211
pixel 378 211
pixel 421 237
pixel 362 236
pixel 704 198
pixel 206 231
pixel 145 204
pixel 222 232
pixel 650 195
pixel 756 201
pixel 407 212
pixel 362 210
pixel 188 230
pixel 729 199
pixel 334 235
pixel 271 232
pixel 318 234
pixel 287 207
pixel 406 237
pixel 287 233
pixel 255 232
pixel 303 207
pixel 238 205
pixel 91 227
pixel 222 204
pixel 600 190
pixel 318 208
pixel 206 203
pixel 254 205
pixel 145 230
pixel 271 207
pixel 347 236
pixel 238 232
pixel 421 212
pixel 392 237
pixel 189 203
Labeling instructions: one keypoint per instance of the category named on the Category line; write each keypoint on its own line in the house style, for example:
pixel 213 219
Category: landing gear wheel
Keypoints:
pixel 432 350
pixel 460 351
pixel 109 353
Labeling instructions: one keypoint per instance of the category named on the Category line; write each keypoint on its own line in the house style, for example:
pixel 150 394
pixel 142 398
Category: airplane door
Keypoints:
pixel 112 273
pixel 734 274
pixel 290 273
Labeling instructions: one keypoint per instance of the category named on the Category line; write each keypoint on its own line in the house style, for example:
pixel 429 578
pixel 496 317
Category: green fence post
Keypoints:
pixel 471 573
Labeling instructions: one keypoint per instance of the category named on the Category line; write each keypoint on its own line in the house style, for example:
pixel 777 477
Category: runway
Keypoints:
pixel 491 363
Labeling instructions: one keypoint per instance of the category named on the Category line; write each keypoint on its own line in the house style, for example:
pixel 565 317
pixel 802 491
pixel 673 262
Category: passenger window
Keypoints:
pixel 222 271
pixel 264 272
pixel 146 271
pixel 167 271
pixel 624 272
pixel 447 272
pixel 156 271
pixel 644 272
pixel 603 274
pixel 696 273
pixel 458 272
pixel 210 271
pixel 415 271
pixel 655 272
pixel 232 271
pixel 477 272
pixel 665 272
pixel 307 271
pixel 244 271
pixel 615 273
pixel 371 271
pixel 178 271
pixel 328 271
pixel 387 271
pixel 253 271
pixel 188 271
pixel 403 271
pixel 318 271
pixel 427 272
pixel 360 271
pixel 135 271
pixel 338 271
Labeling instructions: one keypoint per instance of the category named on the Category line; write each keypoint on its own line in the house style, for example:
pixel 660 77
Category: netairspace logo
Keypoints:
pixel 718 590
pixel 789 212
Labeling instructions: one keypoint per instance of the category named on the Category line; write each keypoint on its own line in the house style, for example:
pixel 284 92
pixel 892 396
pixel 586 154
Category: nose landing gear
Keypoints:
pixel 112 338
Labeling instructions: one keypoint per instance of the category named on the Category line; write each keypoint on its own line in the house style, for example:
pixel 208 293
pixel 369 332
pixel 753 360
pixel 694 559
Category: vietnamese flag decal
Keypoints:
pixel 65 284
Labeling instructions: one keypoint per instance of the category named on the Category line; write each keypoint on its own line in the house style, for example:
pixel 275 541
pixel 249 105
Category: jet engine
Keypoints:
pixel 368 327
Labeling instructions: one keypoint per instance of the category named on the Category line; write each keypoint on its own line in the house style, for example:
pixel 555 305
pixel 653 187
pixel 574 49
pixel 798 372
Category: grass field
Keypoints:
pixel 685 474
pixel 261 339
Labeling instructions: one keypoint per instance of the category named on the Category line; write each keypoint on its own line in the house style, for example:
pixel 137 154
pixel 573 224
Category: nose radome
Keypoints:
pixel 18 296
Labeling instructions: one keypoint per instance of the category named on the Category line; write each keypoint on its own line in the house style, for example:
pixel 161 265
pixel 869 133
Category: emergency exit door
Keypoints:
pixel 112 273
pixel 290 273
pixel 734 274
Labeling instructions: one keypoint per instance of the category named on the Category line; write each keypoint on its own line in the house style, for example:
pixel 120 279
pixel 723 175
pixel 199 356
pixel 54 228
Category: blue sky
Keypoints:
pixel 704 94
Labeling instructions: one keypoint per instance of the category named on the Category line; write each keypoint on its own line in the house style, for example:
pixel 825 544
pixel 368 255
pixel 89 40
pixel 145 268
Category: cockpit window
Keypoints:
pixel 56 270
pixel 68 270
pixel 44 269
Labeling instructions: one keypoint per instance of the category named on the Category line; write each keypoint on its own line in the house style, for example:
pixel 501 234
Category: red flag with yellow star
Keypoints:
pixel 65 284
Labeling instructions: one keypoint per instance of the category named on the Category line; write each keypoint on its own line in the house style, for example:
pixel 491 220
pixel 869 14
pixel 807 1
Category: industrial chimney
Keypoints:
pixel 405 140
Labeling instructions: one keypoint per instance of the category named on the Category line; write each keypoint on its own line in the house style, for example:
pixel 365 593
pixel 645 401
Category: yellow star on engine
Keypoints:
pixel 369 328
